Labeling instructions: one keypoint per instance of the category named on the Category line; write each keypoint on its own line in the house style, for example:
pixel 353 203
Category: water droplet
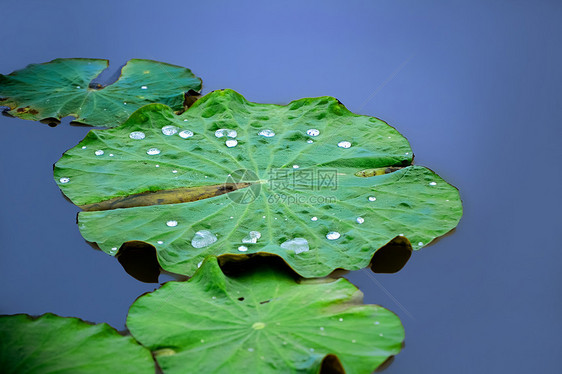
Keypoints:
pixel 313 132
pixel 143 87
pixel 242 248
pixel 341 319
pixel 372 198
pixel 64 180
pixel 333 235
pixel 160 242
pixel 432 183
pixel 250 349
pixel 360 220
pixel 267 133
pixel 353 341
pixel 420 243
pixel 169 130
pixel 99 152
pixel 114 249
pixel 199 264
pixel 226 132
pixel 321 329
pixel 252 237
pixel 202 340
pixel 137 135
pixel 231 143
pixel 203 238
pixel 124 103
pixel 185 120
pixel 157 165
pixel 186 134
pixel 297 245
pixel 314 219
pixel 381 334
pixel 153 151
pixel 310 141
pixel 111 155
pixel 172 223
pixel 214 297
pixel 296 166
pixel 174 171
pixel 377 322
pixel 77 86
pixel 344 144
pixel 84 147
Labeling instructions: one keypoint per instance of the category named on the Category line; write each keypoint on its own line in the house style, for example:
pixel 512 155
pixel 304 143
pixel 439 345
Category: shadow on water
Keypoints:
pixel 392 257
pixel 140 260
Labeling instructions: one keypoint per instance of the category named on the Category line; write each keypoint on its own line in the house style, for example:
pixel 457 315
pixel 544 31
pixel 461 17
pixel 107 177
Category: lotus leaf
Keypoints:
pixel 63 87
pixel 53 344
pixel 262 321
pixel 310 181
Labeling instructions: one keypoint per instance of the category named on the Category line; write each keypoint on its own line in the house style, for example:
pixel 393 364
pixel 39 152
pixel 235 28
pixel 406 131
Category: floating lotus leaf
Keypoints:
pixel 263 321
pixel 63 87
pixel 311 182
pixel 53 344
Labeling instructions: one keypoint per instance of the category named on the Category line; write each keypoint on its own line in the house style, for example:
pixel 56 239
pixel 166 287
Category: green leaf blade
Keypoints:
pixel 411 200
pixel 62 88
pixel 262 321
pixel 52 344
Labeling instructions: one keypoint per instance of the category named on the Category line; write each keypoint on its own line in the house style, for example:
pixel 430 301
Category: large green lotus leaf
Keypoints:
pixel 263 321
pixel 154 160
pixel 63 87
pixel 53 344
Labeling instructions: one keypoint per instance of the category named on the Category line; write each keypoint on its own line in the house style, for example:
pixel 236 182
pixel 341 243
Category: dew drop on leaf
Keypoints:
pixel 267 133
pixel 252 237
pixel 203 238
pixel 333 235
pixel 137 135
pixel 186 134
pixel 169 130
pixel 297 245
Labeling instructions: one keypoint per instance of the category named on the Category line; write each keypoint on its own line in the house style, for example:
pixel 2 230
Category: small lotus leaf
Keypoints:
pixel 63 87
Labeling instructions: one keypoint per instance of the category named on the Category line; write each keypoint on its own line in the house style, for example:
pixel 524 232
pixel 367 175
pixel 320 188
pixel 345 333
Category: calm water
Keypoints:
pixel 474 86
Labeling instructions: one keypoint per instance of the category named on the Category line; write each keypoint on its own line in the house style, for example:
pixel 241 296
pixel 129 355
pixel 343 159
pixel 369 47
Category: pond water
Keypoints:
pixel 474 87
